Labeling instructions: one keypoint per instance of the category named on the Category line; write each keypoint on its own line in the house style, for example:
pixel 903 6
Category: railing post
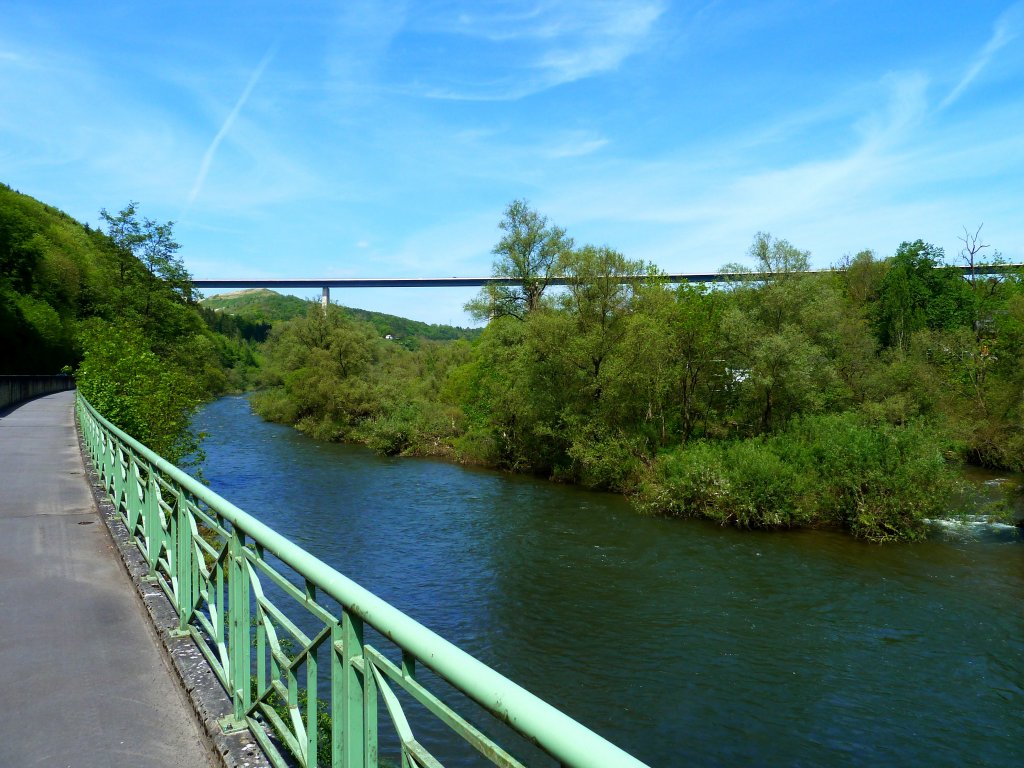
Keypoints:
pixel 107 444
pixel 138 503
pixel 154 530
pixel 312 686
pixel 239 652
pixel 183 561
pixel 408 670
pixel 347 676
pixel 117 452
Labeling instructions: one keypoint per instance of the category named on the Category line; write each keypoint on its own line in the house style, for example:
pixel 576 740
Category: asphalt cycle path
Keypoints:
pixel 84 680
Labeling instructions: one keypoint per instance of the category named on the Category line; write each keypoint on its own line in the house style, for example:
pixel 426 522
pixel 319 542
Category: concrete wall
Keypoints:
pixel 14 389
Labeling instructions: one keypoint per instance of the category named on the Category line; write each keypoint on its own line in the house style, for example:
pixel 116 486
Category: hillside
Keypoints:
pixel 54 273
pixel 114 307
pixel 260 305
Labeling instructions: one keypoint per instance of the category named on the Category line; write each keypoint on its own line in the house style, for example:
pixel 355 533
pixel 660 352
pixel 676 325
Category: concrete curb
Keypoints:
pixel 199 685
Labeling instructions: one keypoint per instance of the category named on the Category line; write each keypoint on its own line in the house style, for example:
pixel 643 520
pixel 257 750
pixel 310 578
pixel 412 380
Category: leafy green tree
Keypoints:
pixel 529 252
pixel 861 277
pixel 696 351
pixel 601 286
pixel 782 333
pixel 777 258
pixel 775 374
pixel 917 293
pixel 773 259
pixel 151 245
pixel 126 236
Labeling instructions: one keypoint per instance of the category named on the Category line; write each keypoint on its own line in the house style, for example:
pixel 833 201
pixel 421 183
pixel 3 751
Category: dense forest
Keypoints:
pixel 843 398
pixel 780 399
pixel 114 307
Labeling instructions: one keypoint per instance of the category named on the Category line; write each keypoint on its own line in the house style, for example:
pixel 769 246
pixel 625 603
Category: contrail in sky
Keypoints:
pixel 228 122
pixel 1006 29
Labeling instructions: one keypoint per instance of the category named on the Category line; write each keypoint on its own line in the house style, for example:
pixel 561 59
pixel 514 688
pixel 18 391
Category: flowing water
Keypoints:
pixel 682 642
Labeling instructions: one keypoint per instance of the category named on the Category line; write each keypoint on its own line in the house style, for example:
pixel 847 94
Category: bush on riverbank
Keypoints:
pixel 879 481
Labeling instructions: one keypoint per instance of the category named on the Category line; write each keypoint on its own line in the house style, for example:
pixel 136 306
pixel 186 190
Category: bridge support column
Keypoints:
pixel 325 297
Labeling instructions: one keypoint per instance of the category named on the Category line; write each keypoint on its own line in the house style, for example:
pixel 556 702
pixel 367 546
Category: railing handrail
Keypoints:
pixel 558 734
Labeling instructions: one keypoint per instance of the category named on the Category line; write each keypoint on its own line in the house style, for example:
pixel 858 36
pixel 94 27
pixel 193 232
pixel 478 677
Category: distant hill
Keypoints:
pixel 261 305
pixel 258 305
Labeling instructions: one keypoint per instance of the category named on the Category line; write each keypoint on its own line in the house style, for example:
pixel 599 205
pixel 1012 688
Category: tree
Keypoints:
pixel 598 299
pixel 529 253
pixel 158 255
pixel 917 293
pixel 149 242
pixel 693 327
pixel 773 259
pixel 125 232
pixel 861 277
pixel 972 248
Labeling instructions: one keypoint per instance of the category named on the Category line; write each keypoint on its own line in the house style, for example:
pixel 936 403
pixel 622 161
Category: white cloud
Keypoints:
pixel 360 39
pixel 530 50
pixel 574 144
pixel 904 176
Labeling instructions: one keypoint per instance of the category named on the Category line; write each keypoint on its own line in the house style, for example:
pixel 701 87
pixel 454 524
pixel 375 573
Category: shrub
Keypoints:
pixel 764 490
pixel 688 481
pixel 606 461
pixel 879 481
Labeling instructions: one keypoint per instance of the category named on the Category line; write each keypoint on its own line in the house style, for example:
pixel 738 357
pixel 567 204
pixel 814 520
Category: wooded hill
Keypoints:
pixel 266 307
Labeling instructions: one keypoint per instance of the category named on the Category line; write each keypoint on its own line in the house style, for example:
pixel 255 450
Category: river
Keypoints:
pixel 682 642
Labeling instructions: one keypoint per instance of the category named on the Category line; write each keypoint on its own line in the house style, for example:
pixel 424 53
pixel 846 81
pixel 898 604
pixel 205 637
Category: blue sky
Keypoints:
pixel 376 139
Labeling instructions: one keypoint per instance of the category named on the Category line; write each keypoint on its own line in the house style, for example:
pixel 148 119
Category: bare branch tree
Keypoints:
pixel 972 247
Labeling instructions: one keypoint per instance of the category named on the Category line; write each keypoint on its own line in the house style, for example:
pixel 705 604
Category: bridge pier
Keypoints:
pixel 325 297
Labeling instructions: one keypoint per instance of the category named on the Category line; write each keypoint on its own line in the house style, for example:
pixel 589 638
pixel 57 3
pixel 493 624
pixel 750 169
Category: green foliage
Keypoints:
pixel 744 483
pixel 117 305
pixel 916 294
pixel 335 378
pixel 777 258
pixel 784 399
pixel 530 251
pixel 150 398
pixel 606 460
pixel 878 481
pixel 258 305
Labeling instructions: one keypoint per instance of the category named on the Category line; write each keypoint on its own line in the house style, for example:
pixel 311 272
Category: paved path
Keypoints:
pixel 82 678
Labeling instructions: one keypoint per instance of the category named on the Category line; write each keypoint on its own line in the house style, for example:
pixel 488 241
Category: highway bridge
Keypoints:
pixel 326 283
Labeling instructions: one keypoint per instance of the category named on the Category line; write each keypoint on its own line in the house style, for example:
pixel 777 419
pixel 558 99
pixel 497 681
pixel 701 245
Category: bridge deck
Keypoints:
pixel 83 678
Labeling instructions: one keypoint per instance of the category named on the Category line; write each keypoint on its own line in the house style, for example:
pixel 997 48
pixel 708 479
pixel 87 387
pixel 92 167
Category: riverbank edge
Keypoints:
pixel 199 686
pixel 443 451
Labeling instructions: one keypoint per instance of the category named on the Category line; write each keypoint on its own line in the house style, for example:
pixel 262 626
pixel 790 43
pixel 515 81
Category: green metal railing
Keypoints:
pixel 219 567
